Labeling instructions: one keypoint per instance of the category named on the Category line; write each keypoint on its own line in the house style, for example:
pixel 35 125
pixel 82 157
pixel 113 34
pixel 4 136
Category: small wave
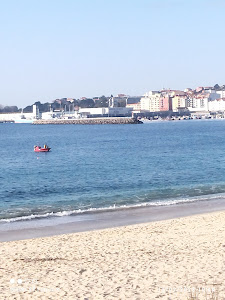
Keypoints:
pixel 57 214
pixel 109 208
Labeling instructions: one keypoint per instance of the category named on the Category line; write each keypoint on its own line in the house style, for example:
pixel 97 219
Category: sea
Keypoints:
pixel 99 168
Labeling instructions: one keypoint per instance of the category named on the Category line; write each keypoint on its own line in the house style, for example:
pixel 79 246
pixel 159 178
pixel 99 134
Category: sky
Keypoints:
pixel 85 48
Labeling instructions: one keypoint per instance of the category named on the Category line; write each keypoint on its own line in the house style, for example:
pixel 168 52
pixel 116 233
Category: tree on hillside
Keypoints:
pixel 28 109
pixel 57 105
pixel 101 102
pixel 9 109
pixel 87 103
pixel 42 107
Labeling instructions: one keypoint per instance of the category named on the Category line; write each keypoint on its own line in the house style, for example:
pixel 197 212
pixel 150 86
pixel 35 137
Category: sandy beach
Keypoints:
pixel 171 259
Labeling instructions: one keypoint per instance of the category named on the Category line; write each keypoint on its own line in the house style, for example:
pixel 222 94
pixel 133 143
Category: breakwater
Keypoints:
pixel 6 121
pixel 89 121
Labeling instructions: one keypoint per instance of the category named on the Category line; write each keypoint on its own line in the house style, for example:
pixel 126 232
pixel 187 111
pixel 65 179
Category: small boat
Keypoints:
pixel 40 149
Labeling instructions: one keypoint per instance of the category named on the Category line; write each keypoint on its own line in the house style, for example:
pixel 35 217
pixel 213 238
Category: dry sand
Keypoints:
pixel 160 260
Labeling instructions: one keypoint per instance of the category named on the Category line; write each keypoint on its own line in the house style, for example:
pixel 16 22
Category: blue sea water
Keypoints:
pixel 102 167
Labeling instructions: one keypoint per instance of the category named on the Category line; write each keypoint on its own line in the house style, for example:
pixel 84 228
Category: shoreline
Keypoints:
pixel 92 221
pixel 169 259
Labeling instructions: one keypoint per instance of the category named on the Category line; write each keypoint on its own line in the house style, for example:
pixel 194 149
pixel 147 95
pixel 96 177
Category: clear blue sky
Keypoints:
pixel 73 48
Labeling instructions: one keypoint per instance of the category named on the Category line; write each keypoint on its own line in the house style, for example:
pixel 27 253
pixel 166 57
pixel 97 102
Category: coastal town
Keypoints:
pixel 112 134
pixel 198 103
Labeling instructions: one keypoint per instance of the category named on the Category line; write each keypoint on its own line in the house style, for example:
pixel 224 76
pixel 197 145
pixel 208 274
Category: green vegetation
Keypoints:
pixel 9 109
pixel 63 104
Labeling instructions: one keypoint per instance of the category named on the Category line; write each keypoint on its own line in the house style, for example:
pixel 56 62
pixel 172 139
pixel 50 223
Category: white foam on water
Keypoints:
pixel 110 208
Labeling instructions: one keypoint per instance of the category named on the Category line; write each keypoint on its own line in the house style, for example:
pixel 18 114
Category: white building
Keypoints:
pixel 150 101
pixel 16 116
pixel 36 114
pixel 20 116
pixel 106 112
pixel 99 111
pixel 217 105
pixel 197 104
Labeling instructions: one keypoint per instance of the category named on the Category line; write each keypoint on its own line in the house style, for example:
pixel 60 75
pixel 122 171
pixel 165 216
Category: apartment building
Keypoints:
pixel 165 103
pixel 150 101
pixel 178 102
pixel 197 103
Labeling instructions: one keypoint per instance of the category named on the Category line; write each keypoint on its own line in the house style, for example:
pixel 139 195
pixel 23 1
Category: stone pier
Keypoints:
pixel 89 121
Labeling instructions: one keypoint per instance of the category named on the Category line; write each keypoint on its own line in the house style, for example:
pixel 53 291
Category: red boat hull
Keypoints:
pixel 38 149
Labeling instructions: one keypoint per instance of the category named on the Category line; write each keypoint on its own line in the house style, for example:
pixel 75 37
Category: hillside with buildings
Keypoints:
pixel 200 102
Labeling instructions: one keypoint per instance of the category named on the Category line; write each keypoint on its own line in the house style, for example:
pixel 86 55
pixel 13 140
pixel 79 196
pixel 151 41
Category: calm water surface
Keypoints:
pixel 98 167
